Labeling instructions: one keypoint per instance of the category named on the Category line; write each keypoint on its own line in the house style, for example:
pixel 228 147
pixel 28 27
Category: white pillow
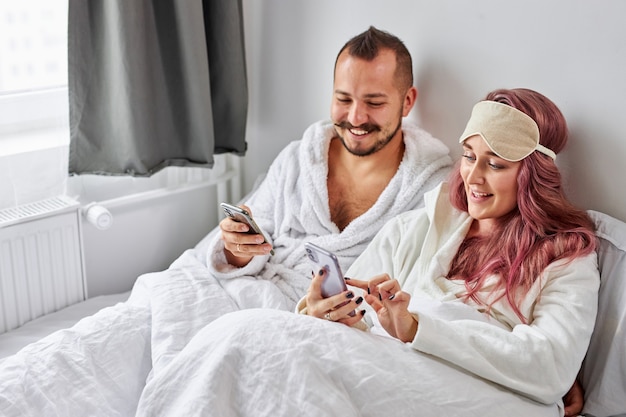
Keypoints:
pixel 604 370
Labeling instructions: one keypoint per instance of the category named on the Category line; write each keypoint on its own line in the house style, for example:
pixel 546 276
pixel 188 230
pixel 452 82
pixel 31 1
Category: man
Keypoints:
pixel 340 183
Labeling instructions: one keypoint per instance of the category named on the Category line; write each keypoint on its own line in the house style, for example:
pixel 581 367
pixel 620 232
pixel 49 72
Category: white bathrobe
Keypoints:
pixel 540 359
pixel 291 206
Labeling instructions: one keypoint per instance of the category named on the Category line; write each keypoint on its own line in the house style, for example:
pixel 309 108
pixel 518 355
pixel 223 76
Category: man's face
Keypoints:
pixel 367 106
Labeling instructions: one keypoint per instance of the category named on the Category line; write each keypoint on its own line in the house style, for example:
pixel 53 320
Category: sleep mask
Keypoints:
pixel 509 133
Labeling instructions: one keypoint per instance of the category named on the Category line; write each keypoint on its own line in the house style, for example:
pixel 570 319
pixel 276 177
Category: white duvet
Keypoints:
pixel 165 352
pixel 275 363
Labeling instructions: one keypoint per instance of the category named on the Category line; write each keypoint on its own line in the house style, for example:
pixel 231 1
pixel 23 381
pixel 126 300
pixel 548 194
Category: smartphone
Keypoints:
pixel 334 283
pixel 243 216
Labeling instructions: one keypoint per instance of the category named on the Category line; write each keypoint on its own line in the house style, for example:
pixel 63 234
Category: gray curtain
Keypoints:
pixel 154 83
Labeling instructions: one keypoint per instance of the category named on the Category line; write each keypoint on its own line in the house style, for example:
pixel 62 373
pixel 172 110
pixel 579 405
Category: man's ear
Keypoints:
pixel 409 101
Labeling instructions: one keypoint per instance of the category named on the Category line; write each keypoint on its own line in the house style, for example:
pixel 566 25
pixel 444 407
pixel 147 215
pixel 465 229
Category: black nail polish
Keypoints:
pixel 312 273
pixel 321 272
pixel 362 312
pixel 349 294
pixel 380 297
pixel 359 300
pixel 368 290
pixel 346 279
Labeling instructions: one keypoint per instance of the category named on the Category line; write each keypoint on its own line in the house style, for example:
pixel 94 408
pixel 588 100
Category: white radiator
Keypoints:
pixel 41 266
pixel 50 259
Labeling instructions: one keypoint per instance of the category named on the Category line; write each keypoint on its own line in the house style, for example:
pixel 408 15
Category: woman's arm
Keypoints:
pixel 539 360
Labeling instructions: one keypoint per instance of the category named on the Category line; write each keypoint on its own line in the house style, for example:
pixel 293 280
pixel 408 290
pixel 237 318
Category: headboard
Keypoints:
pixel 604 369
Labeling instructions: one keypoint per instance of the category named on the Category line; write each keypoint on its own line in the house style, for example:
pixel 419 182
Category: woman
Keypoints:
pixel 501 238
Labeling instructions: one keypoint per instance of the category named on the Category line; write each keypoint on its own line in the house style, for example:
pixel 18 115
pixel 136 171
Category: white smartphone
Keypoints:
pixel 334 282
pixel 240 215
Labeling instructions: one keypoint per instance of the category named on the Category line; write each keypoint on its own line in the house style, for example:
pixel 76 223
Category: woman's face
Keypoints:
pixel 490 183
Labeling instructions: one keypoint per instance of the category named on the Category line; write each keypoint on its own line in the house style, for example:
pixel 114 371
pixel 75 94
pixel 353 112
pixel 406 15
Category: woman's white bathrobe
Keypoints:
pixel 291 206
pixel 539 360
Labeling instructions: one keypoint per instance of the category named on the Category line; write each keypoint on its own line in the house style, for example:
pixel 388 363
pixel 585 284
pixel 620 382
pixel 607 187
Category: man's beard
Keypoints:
pixel 369 128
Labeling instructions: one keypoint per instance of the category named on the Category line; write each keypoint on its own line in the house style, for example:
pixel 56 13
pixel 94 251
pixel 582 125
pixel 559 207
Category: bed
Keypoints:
pixel 158 351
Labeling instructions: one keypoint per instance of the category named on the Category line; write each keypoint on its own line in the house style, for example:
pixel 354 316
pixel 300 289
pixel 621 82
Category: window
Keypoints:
pixel 33 48
pixel 33 69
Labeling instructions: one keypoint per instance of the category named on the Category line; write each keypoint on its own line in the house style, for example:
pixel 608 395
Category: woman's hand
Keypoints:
pixel 341 307
pixel 574 400
pixel 391 305
pixel 239 246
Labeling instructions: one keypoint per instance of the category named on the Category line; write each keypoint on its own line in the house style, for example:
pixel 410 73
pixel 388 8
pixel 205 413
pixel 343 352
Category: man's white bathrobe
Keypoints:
pixel 291 206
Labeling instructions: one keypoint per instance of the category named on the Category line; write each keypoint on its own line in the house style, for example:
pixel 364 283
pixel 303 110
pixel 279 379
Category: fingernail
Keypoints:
pixel 359 300
pixel 392 296
pixel 349 294
pixel 312 273
pixel 321 272
pixel 380 297
pixel 352 313
pixel 368 290
pixel 362 312
pixel 347 279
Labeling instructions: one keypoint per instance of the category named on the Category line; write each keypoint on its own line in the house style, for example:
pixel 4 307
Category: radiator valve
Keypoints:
pixel 98 215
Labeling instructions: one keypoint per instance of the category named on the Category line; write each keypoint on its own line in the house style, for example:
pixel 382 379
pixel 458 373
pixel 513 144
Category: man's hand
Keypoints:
pixel 240 247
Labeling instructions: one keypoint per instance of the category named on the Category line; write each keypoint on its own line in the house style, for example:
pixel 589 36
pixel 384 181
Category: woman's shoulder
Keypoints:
pixel 409 219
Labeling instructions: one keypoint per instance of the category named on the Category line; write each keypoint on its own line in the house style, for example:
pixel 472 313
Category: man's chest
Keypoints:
pixel 349 201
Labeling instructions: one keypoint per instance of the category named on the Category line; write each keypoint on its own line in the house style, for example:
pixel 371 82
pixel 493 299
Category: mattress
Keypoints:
pixel 14 340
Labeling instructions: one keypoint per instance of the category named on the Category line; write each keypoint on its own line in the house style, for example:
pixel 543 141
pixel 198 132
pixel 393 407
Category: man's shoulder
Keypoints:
pixel 418 140
pixel 412 130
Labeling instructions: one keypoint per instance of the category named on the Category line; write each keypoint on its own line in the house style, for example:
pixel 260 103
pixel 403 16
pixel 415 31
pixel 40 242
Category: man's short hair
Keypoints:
pixel 367 46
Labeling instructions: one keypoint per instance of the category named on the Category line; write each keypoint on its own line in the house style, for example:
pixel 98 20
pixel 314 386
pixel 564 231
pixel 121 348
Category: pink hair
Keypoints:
pixel 544 228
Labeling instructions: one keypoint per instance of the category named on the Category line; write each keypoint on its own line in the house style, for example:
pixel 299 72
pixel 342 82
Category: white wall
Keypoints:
pixel 146 236
pixel 573 51
pixel 154 220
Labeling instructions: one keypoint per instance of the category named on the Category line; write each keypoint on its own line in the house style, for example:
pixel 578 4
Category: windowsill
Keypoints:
pixel 34 120
pixel 34 140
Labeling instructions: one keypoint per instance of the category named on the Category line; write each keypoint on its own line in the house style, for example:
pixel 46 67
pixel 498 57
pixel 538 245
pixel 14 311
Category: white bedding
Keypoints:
pixel 100 366
pixel 275 363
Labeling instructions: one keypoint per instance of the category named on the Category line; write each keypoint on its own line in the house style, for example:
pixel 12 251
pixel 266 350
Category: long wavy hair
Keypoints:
pixel 544 227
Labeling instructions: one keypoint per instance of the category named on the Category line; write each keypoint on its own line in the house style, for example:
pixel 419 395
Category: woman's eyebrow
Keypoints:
pixel 490 152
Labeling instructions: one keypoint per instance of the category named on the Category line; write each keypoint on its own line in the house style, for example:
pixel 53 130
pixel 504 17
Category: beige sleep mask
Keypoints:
pixel 509 133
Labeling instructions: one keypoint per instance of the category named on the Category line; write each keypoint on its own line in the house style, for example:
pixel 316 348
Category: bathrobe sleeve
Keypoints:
pixel 539 359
